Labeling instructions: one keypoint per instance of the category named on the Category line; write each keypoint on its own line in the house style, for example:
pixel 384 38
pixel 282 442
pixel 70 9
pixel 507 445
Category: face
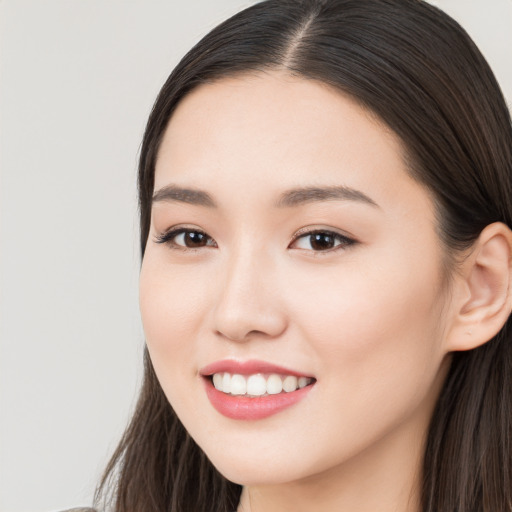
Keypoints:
pixel 290 247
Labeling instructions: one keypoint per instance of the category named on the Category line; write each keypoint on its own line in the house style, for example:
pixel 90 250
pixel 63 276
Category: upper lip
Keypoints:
pixel 249 367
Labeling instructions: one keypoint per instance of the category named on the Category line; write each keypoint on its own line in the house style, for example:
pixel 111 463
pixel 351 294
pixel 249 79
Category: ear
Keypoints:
pixel 482 290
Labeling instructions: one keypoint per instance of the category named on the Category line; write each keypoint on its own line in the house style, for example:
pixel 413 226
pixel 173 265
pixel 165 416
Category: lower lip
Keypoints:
pixel 245 408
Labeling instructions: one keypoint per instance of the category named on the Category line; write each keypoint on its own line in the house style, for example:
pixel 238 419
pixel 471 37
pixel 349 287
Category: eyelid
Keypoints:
pixel 167 236
pixel 346 240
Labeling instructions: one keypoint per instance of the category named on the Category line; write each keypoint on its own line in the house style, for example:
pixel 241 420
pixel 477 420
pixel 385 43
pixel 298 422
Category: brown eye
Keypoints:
pixel 193 239
pixel 186 239
pixel 321 241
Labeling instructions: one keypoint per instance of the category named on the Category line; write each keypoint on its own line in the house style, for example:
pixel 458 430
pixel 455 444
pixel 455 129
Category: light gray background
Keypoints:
pixel 78 78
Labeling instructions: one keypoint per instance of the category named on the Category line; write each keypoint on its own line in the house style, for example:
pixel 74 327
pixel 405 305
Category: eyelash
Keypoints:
pixel 167 238
pixel 344 241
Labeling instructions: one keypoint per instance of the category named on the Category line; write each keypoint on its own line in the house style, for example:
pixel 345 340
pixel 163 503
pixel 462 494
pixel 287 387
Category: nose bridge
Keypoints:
pixel 248 298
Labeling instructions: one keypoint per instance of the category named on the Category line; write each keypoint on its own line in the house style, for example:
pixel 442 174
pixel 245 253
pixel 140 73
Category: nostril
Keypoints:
pixel 243 313
pixel 243 336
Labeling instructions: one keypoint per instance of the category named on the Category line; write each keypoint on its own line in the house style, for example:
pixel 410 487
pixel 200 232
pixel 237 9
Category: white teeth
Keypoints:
pixel 290 383
pixel 257 384
pixel 274 385
pixel 238 385
pixel 217 381
pixel 303 382
pixel 226 383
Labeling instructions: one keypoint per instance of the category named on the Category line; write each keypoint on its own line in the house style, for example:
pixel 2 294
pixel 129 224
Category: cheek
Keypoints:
pixel 381 323
pixel 376 339
pixel 170 303
pixel 170 300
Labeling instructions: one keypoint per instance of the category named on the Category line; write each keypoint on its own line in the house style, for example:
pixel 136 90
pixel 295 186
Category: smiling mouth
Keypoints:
pixel 253 390
pixel 258 384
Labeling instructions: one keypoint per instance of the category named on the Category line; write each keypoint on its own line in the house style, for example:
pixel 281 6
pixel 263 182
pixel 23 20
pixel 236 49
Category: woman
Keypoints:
pixel 326 200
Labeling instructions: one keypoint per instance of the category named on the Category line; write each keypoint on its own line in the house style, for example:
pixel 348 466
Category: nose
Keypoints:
pixel 249 301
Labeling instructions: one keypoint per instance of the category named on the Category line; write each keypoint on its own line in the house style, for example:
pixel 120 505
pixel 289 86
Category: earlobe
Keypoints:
pixel 483 298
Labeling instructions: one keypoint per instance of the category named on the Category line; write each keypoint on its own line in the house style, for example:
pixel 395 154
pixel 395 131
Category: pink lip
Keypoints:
pixel 247 368
pixel 243 407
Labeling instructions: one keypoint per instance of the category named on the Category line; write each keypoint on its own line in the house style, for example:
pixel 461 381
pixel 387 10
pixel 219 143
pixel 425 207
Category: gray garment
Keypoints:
pixel 79 509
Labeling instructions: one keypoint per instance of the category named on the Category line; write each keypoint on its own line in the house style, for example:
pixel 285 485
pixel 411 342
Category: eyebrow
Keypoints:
pixel 195 196
pixel 303 195
pixel 287 199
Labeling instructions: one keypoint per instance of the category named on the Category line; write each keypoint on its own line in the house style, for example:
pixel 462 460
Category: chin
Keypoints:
pixel 259 462
pixel 251 473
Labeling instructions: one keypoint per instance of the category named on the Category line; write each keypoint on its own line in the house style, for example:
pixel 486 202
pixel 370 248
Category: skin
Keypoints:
pixel 367 319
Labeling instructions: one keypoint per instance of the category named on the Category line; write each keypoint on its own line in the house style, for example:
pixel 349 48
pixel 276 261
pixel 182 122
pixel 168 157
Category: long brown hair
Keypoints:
pixel 417 70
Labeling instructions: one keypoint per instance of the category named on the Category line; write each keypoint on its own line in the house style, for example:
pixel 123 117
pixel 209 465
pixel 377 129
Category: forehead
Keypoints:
pixel 273 130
